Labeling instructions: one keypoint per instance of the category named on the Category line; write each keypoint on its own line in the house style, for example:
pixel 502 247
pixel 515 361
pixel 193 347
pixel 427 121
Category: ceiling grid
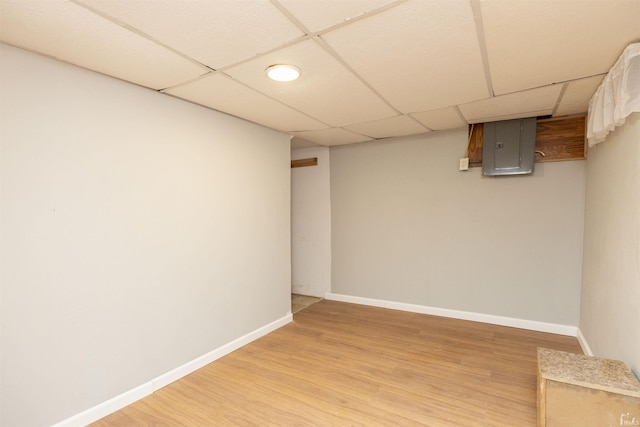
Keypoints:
pixel 371 69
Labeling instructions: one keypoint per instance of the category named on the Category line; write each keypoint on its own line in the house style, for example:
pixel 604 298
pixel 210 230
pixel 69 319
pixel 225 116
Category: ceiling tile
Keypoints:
pixel 298 143
pixel 531 103
pixel 326 90
pixel 531 43
pixel 221 93
pixel 369 62
pixel 319 15
pixel 576 97
pixel 444 118
pixel 332 136
pixel 216 33
pixel 71 33
pixel 385 128
pixel 419 55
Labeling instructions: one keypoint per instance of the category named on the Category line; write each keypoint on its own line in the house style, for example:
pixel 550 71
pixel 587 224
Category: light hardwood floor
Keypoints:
pixel 342 364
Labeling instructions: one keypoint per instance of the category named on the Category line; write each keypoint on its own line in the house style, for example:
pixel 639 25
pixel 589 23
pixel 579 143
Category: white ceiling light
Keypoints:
pixel 283 73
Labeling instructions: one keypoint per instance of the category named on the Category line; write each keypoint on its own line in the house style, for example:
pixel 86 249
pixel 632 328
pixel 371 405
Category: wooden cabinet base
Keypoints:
pixel 576 390
pixel 570 405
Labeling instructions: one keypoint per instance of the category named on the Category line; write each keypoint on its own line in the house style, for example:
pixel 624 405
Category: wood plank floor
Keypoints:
pixel 342 364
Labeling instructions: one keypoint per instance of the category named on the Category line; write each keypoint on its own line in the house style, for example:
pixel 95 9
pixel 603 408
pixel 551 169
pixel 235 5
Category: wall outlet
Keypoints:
pixel 464 164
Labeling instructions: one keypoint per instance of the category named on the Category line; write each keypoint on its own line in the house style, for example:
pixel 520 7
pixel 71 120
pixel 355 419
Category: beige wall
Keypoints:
pixel 311 224
pixel 138 233
pixel 408 227
pixel 610 309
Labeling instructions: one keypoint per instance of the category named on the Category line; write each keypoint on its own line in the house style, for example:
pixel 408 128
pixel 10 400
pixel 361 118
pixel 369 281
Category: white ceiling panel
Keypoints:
pixel 370 68
pixel 332 136
pixel 441 119
pixel 221 93
pixel 323 14
pixel 298 143
pixel 531 43
pixel 531 103
pixel 71 33
pixel 385 128
pixel 326 90
pixel 576 97
pixel 419 55
pixel 216 33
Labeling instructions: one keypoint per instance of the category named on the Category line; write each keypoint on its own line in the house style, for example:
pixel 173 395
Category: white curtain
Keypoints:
pixel 617 97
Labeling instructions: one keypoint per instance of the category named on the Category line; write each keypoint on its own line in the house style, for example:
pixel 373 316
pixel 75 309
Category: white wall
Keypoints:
pixel 311 224
pixel 138 233
pixel 408 227
pixel 610 309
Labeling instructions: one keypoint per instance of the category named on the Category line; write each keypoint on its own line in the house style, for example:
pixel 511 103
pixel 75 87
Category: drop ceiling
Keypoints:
pixel 371 69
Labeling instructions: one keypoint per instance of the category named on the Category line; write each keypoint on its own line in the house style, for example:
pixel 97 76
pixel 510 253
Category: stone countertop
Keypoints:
pixel 586 371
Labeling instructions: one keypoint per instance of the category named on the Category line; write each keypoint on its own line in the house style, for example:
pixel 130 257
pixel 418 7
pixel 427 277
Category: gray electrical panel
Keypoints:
pixel 508 147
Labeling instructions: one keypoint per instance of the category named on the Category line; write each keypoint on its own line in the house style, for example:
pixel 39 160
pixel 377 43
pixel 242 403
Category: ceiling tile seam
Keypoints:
pixel 577 79
pixel 347 21
pixel 308 34
pixel 539 87
pixel 566 86
pixel 64 61
pixel 459 113
pixel 290 16
pixel 48 55
pixel 327 125
pixel 487 119
pixel 164 92
pixel 530 89
pixel 296 134
pixel 221 112
pixel 559 100
pixel 455 107
pixel 374 138
pixel 324 45
pixel 419 122
pixel 274 99
pixel 356 133
pixel 342 128
pixel 549 84
pixel 186 82
pixel 233 115
pixel 139 33
pixel 304 130
pixel 428 129
pixel 290 43
pixel 408 115
pixel 482 43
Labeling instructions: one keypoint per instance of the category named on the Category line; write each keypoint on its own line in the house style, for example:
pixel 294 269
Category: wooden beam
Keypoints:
pixel 304 162
pixel 475 145
pixel 559 138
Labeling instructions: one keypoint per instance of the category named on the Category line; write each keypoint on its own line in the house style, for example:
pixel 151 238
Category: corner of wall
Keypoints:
pixel 583 343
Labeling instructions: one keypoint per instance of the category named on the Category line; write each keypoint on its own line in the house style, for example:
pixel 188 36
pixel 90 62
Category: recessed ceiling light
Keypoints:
pixel 283 73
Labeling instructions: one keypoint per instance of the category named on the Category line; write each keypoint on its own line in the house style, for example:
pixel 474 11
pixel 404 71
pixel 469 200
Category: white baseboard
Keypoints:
pixel 532 325
pixel 105 408
pixel 584 344
pixel 108 407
